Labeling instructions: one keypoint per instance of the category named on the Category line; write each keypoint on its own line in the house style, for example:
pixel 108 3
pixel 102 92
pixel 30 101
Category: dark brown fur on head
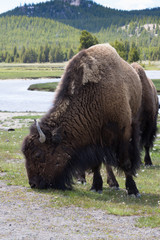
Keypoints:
pixel 39 158
pixel 95 111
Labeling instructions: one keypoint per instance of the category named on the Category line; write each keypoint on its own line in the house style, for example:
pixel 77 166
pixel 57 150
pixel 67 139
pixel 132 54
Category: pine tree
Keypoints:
pixel 70 53
pixel 59 56
pixel 87 40
pixel 133 55
pixel 52 55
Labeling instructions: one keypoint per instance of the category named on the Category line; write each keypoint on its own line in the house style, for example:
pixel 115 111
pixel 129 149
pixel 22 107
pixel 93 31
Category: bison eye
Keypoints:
pixel 57 164
pixel 39 156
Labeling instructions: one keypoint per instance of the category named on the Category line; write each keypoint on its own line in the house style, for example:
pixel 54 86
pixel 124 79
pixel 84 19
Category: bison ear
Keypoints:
pixel 56 136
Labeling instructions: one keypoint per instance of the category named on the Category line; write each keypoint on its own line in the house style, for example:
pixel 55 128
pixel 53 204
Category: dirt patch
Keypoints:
pixel 24 214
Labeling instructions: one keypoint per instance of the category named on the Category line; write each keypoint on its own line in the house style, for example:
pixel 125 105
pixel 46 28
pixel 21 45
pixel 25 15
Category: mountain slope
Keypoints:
pixel 35 32
pixel 82 14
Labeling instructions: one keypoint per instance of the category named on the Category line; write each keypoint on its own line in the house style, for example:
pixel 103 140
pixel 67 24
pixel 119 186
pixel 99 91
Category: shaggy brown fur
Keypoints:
pixel 148 127
pixel 93 120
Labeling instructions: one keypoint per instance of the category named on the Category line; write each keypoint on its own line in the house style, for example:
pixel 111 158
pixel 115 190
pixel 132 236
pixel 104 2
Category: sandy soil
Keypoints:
pixel 28 215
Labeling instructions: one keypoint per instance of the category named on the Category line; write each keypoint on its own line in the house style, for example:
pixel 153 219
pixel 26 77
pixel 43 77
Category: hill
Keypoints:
pixel 45 31
pixel 35 32
pixel 43 37
pixel 83 14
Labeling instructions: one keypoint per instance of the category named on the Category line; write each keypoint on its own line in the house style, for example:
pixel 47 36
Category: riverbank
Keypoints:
pixel 150 65
pixel 48 70
pixel 15 120
pixel 31 71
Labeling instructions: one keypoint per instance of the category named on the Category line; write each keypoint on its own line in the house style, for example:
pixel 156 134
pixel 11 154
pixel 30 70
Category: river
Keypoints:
pixel 15 97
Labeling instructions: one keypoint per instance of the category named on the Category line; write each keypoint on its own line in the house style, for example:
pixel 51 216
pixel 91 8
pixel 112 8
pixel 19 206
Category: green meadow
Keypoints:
pixel 34 70
pixel 13 172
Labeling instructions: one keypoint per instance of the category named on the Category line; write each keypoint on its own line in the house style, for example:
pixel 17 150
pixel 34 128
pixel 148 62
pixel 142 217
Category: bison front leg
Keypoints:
pixel 131 186
pixel 97 180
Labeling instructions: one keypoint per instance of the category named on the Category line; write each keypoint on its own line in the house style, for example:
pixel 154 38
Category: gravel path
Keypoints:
pixel 28 215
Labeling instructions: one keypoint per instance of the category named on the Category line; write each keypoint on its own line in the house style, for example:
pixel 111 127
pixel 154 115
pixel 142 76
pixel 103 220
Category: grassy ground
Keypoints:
pixel 151 65
pixel 157 84
pixel 12 171
pixel 49 87
pixel 51 70
pixel 20 71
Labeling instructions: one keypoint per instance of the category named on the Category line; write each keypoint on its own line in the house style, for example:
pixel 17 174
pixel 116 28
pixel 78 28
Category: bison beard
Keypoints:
pixel 94 120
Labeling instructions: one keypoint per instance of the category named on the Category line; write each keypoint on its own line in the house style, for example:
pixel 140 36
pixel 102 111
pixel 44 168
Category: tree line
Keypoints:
pixel 46 53
pixel 32 34
pixel 42 54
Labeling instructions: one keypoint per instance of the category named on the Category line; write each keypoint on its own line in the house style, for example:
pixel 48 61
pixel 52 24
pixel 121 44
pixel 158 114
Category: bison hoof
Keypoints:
pixel 81 182
pixel 137 195
pixel 148 164
pixel 115 188
pixel 94 190
pixel 100 191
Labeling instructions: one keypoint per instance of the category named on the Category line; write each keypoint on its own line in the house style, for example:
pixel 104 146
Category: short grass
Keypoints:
pixel 20 71
pixel 157 84
pixel 49 87
pixel 31 117
pixel 151 65
pixel 12 171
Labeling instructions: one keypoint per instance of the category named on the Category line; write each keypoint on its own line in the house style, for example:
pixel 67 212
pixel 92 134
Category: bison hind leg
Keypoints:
pixel 147 158
pixel 149 130
pixel 81 178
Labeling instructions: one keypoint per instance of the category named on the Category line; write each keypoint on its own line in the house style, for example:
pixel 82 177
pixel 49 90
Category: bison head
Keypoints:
pixel 46 157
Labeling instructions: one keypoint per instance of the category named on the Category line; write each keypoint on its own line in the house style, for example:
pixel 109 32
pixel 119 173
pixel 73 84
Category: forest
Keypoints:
pixel 88 15
pixel 27 36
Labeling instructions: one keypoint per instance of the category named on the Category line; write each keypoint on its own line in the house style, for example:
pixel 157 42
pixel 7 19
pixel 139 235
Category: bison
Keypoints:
pixel 94 120
pixel 148 125
pixel 149 113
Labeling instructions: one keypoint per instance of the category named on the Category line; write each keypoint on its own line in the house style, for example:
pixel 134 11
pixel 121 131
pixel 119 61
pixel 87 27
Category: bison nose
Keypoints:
pixel 32 184
pixel 38 182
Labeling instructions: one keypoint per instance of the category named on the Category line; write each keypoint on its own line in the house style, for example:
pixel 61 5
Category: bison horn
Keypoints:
pixel 42 137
